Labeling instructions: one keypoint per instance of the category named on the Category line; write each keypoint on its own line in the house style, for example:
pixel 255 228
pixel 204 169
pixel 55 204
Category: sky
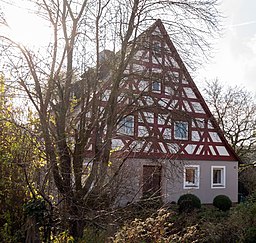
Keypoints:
pixel 233 59
pixel 25 27
pixel 234 55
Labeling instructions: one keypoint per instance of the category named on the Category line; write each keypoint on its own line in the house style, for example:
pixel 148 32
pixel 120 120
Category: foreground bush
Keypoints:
pixel 242 220
pixel 222 202
pixel 188 202
pixel 207 224
pixel 152 229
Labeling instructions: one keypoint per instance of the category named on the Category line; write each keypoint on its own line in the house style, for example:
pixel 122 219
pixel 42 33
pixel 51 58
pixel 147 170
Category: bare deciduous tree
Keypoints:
pixel 234 110
pixel 71 117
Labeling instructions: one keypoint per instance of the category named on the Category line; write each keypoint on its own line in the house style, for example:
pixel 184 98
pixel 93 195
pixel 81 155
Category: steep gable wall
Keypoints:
pixel 162 99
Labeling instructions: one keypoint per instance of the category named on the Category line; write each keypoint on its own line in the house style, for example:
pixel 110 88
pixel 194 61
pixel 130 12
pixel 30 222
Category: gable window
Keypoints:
pixel 181 130
pixel 218 176
pixel 156 87
pixel 156 46
pixel 191 176
pixel 127 125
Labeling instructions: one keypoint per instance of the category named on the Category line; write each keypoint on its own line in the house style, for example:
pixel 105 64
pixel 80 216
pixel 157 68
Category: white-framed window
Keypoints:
pixel 191 176
pixel 156 87
pixel 218 176
pixel 127 125
pixel 181 130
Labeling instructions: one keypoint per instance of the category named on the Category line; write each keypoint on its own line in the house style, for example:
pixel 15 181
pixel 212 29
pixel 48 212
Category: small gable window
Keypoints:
pixel 181 130
pixel 191 176
pixel 127 126
pixel 218 176
pixel 156 87
pixel 156 46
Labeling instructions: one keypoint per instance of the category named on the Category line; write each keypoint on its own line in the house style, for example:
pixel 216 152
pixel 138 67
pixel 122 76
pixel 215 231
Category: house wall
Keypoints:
pixel 172 180
pixel 172 192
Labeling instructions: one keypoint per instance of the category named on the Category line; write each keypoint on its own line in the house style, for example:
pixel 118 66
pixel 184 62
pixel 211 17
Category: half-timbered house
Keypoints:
pixel 172 142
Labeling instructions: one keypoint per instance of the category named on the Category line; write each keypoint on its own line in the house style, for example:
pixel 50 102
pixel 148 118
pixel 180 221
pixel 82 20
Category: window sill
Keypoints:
pixel 191 187
pixel 218 187
pixel 181 138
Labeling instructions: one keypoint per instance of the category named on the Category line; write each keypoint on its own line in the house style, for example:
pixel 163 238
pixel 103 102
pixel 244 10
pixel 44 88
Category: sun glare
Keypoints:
pixel 25 27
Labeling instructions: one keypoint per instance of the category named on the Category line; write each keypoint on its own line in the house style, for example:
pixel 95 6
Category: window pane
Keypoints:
pixel 181 130
pixel 217 176
pixel 156 46
pixel 156 86
pixel 127 125
pixel 191 175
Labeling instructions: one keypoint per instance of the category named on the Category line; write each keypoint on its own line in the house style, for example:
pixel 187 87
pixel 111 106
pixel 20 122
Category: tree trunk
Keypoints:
pixel 76 222
pixel 76 228
pixel 32 231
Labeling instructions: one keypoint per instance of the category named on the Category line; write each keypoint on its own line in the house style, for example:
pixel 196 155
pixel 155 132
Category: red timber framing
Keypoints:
pixel 161 96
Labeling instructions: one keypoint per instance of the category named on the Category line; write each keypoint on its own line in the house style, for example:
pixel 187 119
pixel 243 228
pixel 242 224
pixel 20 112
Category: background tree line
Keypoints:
pixel 234 110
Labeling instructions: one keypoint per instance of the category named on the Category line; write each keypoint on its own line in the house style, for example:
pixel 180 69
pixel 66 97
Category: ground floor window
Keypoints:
pixel 218 176
pixel 191 176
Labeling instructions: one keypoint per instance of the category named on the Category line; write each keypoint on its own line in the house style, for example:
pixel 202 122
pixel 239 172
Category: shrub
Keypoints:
pixel 36 208
pixel 222 202
pixel 251 198
pixel 250 235
pixel 152 229
pixel 188 202
pixel 154 203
